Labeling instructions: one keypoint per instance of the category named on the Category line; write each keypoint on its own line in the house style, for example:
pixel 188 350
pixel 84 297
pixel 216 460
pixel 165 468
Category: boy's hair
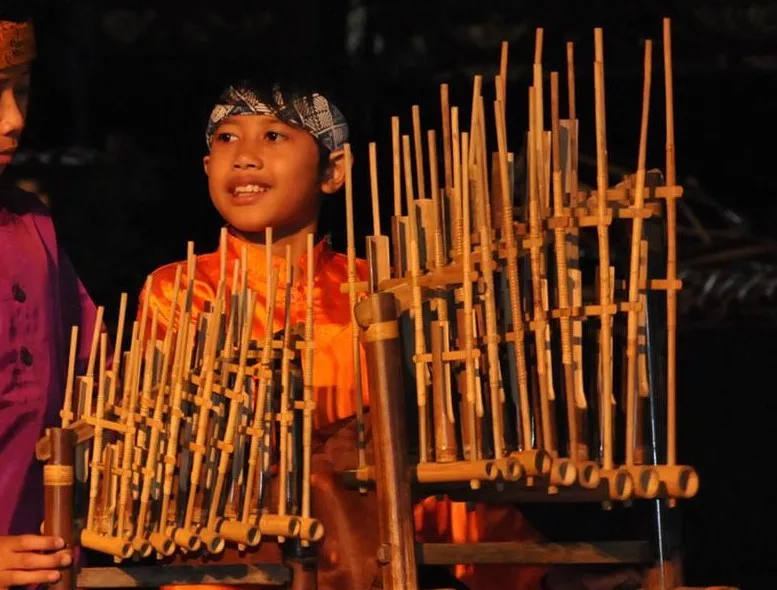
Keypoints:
pixel 293 104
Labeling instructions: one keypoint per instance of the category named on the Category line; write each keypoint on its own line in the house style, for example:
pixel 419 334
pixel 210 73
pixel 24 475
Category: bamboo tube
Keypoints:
pixel 275 525
pixel 377 244
pixel 67 407
pixel 671 254
pixel 636 240
pixel 234 410
pixel 581 453
pixel 562 272
pixel 444 224
pixel 418 315
pixel 356 358
pixel 309 404
pixel 535 232
pixel 397 230
pixel 473 471
pixel 492 347
pixel 97 448
pixel 128 420
pixel 115 546
pixel 239 532
pixel 604 253
pixel 205 394
pixel 116 364
pixel 419 151
pixel 474 451
pixel 87 382
pixel 679 481
pixel 311 530
pixel 257 424
pixel 286 415
pixel 513 280
pixel 186 338
pixel 457 185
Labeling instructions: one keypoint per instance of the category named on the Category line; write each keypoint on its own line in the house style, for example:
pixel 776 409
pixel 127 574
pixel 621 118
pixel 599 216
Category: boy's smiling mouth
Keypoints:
pixel 247 189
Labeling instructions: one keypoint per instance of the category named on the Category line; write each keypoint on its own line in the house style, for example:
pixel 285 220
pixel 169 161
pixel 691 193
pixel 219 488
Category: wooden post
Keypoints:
pixel 58 496
pixel 377 316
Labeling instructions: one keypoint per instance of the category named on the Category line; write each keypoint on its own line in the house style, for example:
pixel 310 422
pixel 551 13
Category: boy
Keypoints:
pixel 274 155
pixel 40 299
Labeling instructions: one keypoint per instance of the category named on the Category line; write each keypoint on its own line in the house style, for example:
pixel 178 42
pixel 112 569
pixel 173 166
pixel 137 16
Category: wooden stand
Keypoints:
pixel 377 316
pixel 58 497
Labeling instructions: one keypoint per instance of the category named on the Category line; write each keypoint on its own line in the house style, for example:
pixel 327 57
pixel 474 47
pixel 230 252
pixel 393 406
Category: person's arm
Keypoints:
pixel 22 562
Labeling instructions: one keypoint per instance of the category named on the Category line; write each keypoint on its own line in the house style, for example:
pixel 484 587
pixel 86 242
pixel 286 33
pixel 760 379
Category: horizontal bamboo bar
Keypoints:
pixel 529 553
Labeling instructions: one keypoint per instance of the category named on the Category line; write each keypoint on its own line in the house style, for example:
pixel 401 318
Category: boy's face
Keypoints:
pixel 14 89
pixel 264 173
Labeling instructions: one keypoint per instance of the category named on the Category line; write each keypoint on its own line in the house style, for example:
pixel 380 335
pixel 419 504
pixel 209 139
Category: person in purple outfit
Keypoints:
pixel 41 297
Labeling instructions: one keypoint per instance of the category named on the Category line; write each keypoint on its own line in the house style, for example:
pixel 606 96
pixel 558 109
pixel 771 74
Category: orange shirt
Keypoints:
pixel 333 367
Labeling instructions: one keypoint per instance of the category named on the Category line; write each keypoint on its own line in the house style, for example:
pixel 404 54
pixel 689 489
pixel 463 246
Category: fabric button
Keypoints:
pixel 18 293
pixel 26 356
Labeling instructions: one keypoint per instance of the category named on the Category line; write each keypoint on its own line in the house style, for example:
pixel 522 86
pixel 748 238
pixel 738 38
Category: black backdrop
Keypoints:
pixel 115 137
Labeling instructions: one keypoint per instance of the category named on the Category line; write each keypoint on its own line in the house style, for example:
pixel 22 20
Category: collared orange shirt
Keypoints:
pixel 333 367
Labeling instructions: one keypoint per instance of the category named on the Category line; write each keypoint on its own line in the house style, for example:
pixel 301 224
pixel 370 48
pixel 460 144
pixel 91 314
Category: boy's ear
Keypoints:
pixel 334 177
pixel 206 165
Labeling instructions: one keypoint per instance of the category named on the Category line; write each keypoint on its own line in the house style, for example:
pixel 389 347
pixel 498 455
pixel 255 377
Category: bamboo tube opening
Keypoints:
pixel 214 543
pixel 646 481
pixel 239 532
pixel 510 469
pixel 110 545
pixel 535 462
pixel 311 529
pixel 562 472
pixel 162 544
pixel 279 526
pixel 680 481
pixel 620 484
pixel 588 475
pixel 142 547
pixel 184 538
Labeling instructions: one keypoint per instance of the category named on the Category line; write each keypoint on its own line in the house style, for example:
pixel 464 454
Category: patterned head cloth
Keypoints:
pixel 17 44
pixel 314 113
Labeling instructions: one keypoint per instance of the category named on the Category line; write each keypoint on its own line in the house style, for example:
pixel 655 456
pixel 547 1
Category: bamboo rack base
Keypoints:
pixel 268 574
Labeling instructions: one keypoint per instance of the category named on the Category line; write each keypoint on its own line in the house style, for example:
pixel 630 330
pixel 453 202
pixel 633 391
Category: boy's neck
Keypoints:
pixel 296 239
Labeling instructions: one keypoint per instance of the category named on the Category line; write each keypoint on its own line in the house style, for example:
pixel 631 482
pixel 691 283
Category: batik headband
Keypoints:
pixel 314 113
pixel 17 44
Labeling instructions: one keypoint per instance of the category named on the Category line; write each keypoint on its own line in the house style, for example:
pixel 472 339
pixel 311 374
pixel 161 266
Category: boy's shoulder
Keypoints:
pixel 163 277
pixel 337 266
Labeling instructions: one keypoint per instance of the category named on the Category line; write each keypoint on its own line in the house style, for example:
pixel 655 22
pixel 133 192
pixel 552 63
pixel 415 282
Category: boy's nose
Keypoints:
pixel 246 159
pixel 11 117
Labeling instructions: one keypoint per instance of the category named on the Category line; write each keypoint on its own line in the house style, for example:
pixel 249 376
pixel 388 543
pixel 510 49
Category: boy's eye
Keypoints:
pixel 226 137
pixel 274 136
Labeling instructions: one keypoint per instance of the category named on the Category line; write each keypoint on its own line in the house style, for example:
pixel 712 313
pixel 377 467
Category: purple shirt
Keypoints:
pixel 41 298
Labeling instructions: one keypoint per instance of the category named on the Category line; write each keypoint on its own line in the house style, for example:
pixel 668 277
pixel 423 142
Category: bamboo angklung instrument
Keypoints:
pixel 441 271
pixel 165 429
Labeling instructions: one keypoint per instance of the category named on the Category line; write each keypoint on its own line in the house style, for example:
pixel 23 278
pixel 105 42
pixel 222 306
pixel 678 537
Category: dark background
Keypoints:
pixel 122 91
